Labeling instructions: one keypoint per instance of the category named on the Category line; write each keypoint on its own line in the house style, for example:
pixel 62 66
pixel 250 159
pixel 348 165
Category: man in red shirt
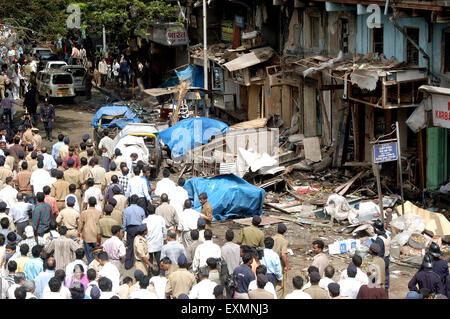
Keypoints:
pixel 50 200
pixel 76 160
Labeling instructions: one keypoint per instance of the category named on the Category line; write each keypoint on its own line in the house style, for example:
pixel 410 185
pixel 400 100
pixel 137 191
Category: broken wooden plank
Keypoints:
pixel 277 208
pixel 342 189
pixel 303 222
pixel 312 149
pixel 265 220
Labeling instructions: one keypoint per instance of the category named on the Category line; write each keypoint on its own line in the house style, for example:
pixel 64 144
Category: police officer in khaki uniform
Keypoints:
pixel 104 225
pixel 252 235
pixel 36 138
pixel 4 172
pixel 141 255
pixel 69 217
pixel 27 136
pixel 280 247
pixel 60 190
pixel 74 176
pixel 207 210
pixel 98 173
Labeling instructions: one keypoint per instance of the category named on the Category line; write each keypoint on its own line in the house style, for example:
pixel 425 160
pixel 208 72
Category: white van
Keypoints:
pixel 55 84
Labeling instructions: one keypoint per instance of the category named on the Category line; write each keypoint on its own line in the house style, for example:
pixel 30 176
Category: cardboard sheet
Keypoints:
pixel 435 222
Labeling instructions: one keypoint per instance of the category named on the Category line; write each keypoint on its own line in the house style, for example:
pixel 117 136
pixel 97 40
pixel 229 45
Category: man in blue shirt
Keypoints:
pixel 272 262
pixel 57 145
pixel 133 216
pixel 43 278
pixel 243 275
pixel 34 265
pixel 440 266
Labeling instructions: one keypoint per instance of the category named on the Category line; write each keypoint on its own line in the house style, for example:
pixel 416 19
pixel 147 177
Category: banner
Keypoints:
pixel 441 110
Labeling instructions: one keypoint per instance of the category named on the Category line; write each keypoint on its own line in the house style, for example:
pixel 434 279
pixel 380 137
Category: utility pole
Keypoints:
pixel 104 42
pixel 205 46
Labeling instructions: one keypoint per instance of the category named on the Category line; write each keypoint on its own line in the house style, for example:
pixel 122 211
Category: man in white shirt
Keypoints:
pixel 103 70
pixel 106 287
pixel 261 269
pixel 116 69
pixel 156 235
pixel 205 287
pixel 55 290
pixel 178 196
pixel 297 293
pixel 110 271
pixel 115 247
pixel 187 221
pixel 350 286
pixel 173 249
pixel 159 281
pixel 142 292
pixel 19 279
pixel 328 278
pixel 93 191
pixel 19 213
pixel 49 161
pixel 205 250
pixel 106 145
pixel 63 291
pixel 360 275
pixel 137 186
pixel 165 185
pixel 40 178
pixel 9 194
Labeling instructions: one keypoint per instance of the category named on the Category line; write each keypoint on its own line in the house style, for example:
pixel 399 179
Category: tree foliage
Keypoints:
pixel 125 18
pixel 121 18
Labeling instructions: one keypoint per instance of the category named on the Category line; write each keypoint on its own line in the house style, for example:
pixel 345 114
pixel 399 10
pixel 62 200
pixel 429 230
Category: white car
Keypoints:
pixel 54 65
pixel 40 50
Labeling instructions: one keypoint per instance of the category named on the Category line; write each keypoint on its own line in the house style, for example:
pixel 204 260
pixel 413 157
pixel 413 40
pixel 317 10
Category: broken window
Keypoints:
pixel 446 51
pixel 344 35
pixel 315 30
pixel 412 53
pixel 377 40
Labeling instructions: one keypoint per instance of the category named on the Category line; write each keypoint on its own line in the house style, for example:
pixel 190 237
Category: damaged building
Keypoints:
pixel 341 71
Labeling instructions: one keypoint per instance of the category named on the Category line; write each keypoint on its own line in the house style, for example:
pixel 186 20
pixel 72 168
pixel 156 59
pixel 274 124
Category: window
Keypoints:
pixel 446 53
pixel 344 35
pixel 412 53
pixel 315 30
pixel 62 79
pixel 377 40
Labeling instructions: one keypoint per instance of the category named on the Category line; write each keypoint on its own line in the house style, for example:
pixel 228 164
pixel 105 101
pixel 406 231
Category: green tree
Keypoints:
pixel 125 18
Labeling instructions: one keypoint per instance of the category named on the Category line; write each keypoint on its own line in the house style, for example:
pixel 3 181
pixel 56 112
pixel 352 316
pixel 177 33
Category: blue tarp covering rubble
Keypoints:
pixel 229 196
pixel 125 114
pixel 194 74
pixel 190 133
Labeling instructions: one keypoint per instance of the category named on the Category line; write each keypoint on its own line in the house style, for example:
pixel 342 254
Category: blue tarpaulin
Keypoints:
pixel 123 113
pixel 190 133
pixel 229 195
pixel 194 74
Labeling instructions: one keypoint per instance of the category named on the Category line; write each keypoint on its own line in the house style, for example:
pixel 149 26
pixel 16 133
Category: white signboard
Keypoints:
pixel 170 35
pixel 441 110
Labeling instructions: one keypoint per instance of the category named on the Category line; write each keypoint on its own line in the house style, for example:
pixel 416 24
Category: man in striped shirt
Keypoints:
pixel 41 215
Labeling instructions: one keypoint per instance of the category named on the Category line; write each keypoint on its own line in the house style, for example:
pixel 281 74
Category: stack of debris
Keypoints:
pixel 214 51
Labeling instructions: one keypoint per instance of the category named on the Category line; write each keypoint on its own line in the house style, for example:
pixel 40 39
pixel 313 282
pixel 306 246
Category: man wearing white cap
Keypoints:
pixel 30 239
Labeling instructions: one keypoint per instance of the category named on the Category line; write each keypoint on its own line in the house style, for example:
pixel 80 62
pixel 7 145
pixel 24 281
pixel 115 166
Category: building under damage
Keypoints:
pixel 343 71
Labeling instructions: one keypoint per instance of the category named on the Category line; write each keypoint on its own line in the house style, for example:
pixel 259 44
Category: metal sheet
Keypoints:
pixel 256 56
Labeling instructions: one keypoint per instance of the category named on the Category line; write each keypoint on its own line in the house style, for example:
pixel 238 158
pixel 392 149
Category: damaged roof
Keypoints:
pixel 246 60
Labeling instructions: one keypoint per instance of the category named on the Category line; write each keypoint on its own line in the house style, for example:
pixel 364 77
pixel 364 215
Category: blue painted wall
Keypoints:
pixel 394 41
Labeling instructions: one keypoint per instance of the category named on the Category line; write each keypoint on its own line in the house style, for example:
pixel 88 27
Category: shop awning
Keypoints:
pixel 161 91
pixel 255 56
pixel 434 90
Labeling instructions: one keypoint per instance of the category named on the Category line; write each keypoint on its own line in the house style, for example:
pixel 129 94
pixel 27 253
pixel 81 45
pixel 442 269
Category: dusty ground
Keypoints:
pixel 74 120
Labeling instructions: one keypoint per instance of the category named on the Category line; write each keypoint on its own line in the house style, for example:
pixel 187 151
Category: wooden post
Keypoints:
pixel 421 160
pixel 376 172
pixel 399 152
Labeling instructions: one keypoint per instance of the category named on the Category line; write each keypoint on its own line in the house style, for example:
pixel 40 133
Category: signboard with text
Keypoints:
pixel 441 110
pixel 385 152
pixel 170 35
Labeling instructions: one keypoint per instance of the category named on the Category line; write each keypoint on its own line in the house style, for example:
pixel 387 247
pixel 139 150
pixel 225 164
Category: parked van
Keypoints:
pixel 55 83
